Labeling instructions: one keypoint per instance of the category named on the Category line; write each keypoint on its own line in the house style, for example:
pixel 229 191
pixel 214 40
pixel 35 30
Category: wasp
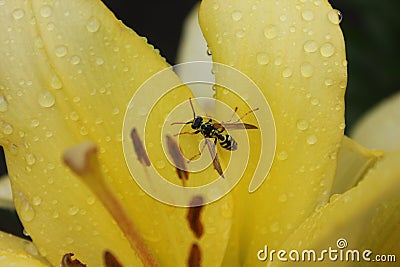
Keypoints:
pixel 217 131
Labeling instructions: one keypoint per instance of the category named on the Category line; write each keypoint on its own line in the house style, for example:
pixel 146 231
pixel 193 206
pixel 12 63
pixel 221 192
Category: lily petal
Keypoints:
pixel 295 54
pixel 70 69
pixel 379 128
pixel 367 217
pixel 16 251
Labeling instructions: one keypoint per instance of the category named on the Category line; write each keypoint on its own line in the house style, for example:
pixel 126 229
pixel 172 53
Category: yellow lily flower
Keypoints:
pixel 68 72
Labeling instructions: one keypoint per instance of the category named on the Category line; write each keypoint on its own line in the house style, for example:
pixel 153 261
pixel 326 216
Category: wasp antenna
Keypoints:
pixel 191 105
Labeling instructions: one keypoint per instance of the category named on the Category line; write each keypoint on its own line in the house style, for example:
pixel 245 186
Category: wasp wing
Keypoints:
pixel 234 126
pixel 213 151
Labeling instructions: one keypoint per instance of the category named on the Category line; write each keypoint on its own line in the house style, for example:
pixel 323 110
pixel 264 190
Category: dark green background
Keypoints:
pixel 371 30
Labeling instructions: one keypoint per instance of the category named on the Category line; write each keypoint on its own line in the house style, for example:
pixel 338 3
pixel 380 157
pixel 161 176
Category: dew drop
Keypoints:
pixel 236 15
pixel 314 101
pixel 312 140
pixel 46 99
pixel 274 227
pixel 75 60
pixel 160 164
pixel 55 214
pixel 328 82
pixel 7 129
pixel 286 73
pixel 278 61
pixel 335 16
pixel 307 15
pixel 327 50
pixel 262 58
pixel 55 82
pixel 270 31
pixel 61 51
pixel 302 125
pixel 90 200
pixel 240 33
pixel 36 201
pixel 73 116
pixel 18 13
pixel 3 104
pixel 34 123
pixel 310 46
pixel 46 11
pixel 283 18
pixel 27 213
pixel 99 61
pixel 307 70
pixel 30 159
pixel 283 155
pixel 208 51
pixel 93 24
pixel 282 198
pixel 73 210
pixel 342 126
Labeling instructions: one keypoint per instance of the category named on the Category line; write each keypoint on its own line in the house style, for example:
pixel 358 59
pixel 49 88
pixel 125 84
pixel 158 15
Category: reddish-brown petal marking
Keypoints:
pixel 193 216
pixel 67 261
pixel 110 260
pixel 178 158
pixel 194 256
pixel 139 148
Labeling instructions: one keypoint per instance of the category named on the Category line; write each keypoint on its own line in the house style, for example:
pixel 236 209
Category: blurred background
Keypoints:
pixel 371 29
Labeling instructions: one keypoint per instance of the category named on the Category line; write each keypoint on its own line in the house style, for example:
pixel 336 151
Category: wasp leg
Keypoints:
pixel 191 133
pixel 198 154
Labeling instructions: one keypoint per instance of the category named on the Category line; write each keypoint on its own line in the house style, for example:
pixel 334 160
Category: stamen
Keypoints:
pixel 67 261
pixel 178 158
pixel 194 256
pixel 139 148
pixel 110 260
pixel 82 159
pixel 193 216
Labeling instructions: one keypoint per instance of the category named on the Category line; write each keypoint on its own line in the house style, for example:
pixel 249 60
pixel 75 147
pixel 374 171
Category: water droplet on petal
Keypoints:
pixel 30 159
pixel 282 198
pixel 34 123
pixel 61 51
pixel 335 16
pixel 302 125
pixel 99 61
pixel 236 15
pixel 240 33
pixel 262 58
pixel 7 129
pixel 18 13
pixel 93 24
pixel 26 212
pixel 286 73
pixel 307 70
pixel 270 31
pixel 328 82
pixel 55 82
pixel 327 50
pixel 310 46
pixel 3 104
pixel 274 227
pixel 312 140
pixel 46 11
pixel 283 155
pixel 46 99
pixel 307 15
pixel 73 210
pixel 75 60
pixel 36 201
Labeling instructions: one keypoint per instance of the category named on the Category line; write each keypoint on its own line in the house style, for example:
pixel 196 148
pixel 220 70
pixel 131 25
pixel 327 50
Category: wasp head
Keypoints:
pixel 197 122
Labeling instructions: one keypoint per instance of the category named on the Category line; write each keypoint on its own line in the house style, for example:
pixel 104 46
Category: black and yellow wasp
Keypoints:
pixel 211 129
